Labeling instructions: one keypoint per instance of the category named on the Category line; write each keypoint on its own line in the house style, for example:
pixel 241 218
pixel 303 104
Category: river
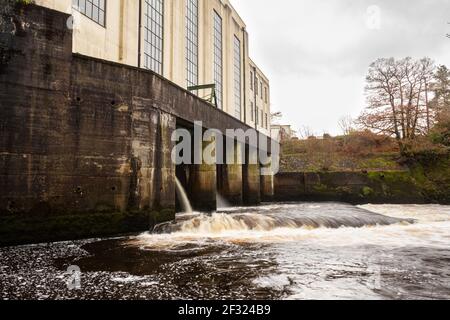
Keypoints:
pixel 275 251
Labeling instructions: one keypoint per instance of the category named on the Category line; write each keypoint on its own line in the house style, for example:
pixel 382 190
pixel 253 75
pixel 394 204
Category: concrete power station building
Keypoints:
pixel 190 42
pixel 91 95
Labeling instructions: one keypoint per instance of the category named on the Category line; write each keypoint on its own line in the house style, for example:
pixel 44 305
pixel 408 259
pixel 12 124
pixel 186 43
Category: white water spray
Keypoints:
pixel 277 217
pixel 222 203
pixel 182 196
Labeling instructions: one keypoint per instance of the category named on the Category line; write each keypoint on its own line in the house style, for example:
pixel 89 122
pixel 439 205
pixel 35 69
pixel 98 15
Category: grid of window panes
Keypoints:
pixel 237 77
pixel 192 42
pixel 218 80
pixel 153 35
pixel 93 9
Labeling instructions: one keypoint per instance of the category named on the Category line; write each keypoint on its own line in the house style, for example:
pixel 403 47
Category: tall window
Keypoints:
pixel 251 80
pixel 218 78
pixel 252 111
pixel 265 95
pixel 93 9
pixel 192 42
pixel 237 77
pixel 257 115
pixel 261 91
pixel 153 35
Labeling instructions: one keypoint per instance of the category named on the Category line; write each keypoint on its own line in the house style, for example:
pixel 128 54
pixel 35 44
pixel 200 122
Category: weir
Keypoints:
pixel 283 217
pixel 85 144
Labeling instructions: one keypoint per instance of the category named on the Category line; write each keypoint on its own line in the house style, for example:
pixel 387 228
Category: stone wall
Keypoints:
pixel 402 187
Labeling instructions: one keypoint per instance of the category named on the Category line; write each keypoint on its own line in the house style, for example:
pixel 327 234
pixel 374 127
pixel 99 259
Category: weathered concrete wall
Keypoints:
pixel 203 184
pixel 85 144
pixel 85 150
pixel 251 178
pixel 372 187
pixel 230 176
pixel 267 188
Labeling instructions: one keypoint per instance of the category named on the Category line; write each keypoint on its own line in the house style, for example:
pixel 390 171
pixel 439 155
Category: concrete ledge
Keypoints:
pixel 26 229
pixel 352 187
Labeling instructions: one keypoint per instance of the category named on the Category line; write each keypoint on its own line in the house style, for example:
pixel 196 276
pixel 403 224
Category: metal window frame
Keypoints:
pixel 237 66
pixel 77 7
pixel 147 42
pixel 219 86
pixel 192 76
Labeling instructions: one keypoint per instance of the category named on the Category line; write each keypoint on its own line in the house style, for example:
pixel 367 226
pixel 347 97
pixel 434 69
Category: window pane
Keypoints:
pixel 237 78
pixel 153 35
pixel 192 42
pixel 93 9
pixel 218 77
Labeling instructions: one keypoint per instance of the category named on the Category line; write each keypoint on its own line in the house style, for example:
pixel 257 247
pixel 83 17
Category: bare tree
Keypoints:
pixel 346 124
pixel 397 96
pixel 306 132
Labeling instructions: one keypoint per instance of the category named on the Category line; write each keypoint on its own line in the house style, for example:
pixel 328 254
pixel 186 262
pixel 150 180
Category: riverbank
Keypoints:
pixel 418 185
pixel 331 251
pixel 321 171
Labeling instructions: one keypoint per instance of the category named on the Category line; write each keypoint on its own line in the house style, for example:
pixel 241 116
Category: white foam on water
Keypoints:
pixel 432 227
pixel 182 195
pixel 129 279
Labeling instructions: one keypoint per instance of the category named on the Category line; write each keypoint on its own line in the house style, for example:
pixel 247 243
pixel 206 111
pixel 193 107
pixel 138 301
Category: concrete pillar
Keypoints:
pixel 203 185
pixel 251 182
pixel 152 184
pixel 267 185
pixel 230 186
pixel 163 191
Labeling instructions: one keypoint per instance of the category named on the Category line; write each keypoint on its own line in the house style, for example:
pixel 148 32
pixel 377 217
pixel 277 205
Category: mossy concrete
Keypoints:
pixel 422 182
pixel 26 228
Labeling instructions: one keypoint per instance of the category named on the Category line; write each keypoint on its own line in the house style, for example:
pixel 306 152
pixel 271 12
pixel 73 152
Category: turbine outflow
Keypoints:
pixel 182 196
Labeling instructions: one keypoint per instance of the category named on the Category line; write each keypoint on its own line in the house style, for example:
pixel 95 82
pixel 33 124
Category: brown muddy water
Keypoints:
pixel 275 251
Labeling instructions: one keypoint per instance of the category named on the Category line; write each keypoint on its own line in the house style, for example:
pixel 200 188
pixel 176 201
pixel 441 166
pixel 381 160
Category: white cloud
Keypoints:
pixel 316 53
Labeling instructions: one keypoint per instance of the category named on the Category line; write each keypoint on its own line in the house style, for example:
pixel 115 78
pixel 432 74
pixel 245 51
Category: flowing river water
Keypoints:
pixel 275 251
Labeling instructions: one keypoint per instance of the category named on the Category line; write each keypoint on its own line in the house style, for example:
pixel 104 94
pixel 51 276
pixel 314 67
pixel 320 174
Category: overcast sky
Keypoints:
pixel 316 52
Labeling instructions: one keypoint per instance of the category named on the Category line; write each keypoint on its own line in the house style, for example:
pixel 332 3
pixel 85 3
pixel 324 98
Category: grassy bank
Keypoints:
pixel 361 169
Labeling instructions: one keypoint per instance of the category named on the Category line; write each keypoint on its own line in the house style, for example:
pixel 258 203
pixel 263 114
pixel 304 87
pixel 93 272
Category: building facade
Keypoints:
pixel 189 42
pixel 282 133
